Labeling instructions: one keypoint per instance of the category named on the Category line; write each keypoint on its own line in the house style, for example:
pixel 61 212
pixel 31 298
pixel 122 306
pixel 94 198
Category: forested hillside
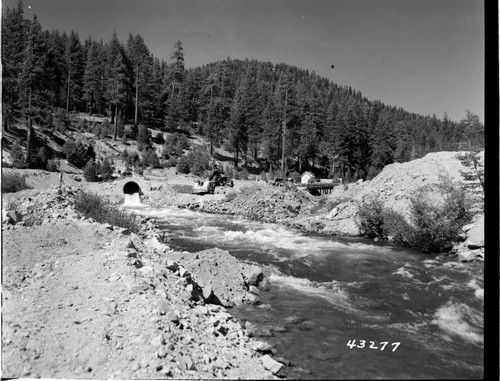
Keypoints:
pixel 243 105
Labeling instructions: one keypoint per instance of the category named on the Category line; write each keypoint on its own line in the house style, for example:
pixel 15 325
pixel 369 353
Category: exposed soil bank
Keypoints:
pixel 82 299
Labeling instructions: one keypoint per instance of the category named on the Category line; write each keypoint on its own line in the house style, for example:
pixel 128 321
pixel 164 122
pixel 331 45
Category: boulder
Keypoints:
pixel 252 299
pixel 466 256
pixel 207 292
pixel 262 347
pixel 332 213
pixel 158 340
pixel 172 265
pixel 253 275
pixel 14 217
pixel 475 236
pixel 270 364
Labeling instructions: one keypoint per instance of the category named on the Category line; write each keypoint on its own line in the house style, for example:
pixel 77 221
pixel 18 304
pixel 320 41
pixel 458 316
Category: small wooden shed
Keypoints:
pixel 306 176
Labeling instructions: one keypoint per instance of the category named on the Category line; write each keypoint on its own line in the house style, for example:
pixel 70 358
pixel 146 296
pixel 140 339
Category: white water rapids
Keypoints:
pixel 348 289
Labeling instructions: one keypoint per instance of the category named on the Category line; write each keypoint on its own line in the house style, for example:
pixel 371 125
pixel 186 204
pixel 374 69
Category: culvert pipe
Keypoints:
pixel 132 192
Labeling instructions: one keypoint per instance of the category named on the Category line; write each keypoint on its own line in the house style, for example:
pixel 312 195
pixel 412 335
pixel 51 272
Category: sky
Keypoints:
pixel 426 56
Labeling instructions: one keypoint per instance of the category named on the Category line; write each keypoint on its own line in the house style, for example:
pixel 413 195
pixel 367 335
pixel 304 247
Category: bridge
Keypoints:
pixel 319 188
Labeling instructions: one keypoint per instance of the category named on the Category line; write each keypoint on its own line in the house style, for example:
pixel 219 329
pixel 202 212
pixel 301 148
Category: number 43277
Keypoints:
pixel 372 345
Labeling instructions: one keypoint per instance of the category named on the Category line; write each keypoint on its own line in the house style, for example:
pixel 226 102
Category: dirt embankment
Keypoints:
pixel 261 202
pixel 86 300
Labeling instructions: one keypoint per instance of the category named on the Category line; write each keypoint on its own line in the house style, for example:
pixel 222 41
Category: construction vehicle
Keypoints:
pixel 203 186
pixel 219 179
pixel 215 179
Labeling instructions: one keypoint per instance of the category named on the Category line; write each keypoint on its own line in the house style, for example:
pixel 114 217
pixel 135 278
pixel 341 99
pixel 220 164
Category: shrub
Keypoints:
pixel 61 120
pixel 243 174
pixel 159 139
pixel 96 130
pixel 93 206
pixel 17 156
pixel 120 129
pixel 82 125
pixel 77 153
pixel 438 225
pixel 175 144
pixel 198 161
pixel 13 182
pixel 40 159
pixel 434 226
pixel 105 169
pixel 134 130
pixel 171 162
pixel 89 172
pixel 183 165
pixel 53 165
pixel 165 153
pixel 150 158
pixel 295 176
pixel 124 154
pixel 104 134
pixel 105 125
pixel 371 218
pixel 144 138
pixel 131 160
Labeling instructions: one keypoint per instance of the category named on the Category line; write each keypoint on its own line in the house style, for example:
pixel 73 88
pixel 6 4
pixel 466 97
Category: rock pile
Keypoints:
pixel 265 203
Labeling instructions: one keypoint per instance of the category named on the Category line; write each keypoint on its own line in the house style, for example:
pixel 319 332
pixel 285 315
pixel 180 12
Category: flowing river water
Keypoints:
pixel 348 308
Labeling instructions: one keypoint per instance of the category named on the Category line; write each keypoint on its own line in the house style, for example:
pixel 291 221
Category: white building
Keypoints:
pixel 306 176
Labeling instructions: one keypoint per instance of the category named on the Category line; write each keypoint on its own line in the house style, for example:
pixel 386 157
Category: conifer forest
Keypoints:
pixel 245 106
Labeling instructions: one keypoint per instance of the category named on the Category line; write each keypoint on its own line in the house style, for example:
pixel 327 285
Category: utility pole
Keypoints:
pixel 284 132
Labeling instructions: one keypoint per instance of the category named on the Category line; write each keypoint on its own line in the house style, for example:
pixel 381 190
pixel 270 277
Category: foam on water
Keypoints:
pixel 478 291
pixel 283 238
pixel 458 319
pixel 132 200
pixel 330 291
pixel 404 273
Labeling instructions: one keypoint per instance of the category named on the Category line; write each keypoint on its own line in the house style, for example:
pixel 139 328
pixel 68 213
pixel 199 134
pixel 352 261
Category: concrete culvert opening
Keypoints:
pixel 132 187
pixel 132 192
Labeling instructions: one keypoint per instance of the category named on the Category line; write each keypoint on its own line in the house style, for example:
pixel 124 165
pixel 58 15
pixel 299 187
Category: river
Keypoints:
pixel 348 308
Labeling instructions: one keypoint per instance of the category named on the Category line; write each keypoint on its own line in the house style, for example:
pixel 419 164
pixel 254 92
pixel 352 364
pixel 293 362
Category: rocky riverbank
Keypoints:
pixel 87 300
pixel 261 202
pixel 337 213
pixel 82 299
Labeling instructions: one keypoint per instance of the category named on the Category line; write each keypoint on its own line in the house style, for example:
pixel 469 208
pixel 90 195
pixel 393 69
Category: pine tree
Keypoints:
pixel 144 138
pixel 383 143
pixel 74 71
pixel 240 119
pixel 89 171
pixel 141 62
pixel 93 79
pixel 118 74
pixel 56 68
pixel 33 80
pixel 176 109
pixel 14 36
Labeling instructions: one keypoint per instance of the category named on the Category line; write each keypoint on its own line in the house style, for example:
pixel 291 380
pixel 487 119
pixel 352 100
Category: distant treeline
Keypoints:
pixel 240 104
